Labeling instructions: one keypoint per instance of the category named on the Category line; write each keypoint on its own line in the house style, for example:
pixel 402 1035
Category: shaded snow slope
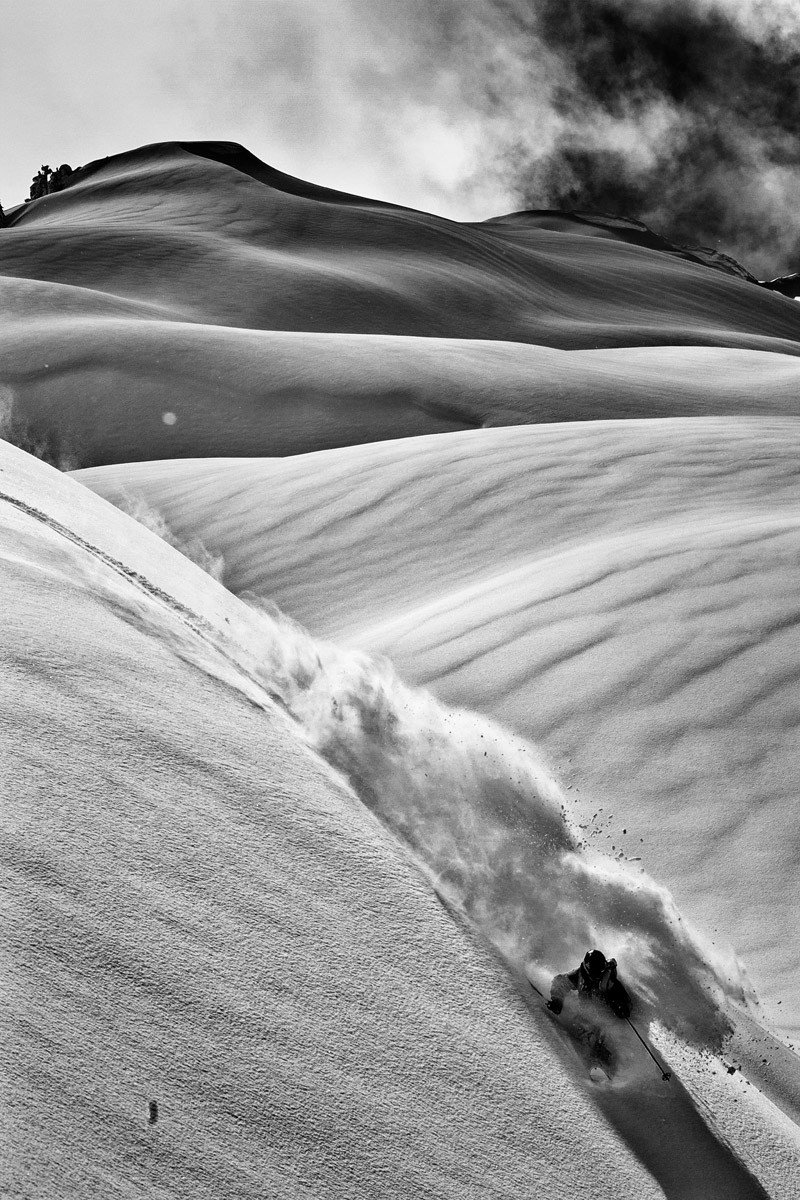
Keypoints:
pixel 242 252
pixel 623 593
pixel 263 316
pixel 517 225
pixel 107 389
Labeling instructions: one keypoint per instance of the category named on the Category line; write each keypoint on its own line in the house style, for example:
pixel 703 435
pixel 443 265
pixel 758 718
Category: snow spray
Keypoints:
pixel 489 824
pixel 484 818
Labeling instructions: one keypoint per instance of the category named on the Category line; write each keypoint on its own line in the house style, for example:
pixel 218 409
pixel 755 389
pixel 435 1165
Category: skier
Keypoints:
pixel 593 985
pixel 594 980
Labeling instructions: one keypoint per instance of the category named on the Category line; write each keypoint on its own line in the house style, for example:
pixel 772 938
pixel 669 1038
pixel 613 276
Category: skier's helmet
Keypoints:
pixel 595 963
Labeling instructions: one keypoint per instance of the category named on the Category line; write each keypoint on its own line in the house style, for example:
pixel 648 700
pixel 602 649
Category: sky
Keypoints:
pixel 682 113
pixel 289 80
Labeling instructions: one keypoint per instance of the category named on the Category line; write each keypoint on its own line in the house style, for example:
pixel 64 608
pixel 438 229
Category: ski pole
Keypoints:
pixel 665 1075
pixel 547 1003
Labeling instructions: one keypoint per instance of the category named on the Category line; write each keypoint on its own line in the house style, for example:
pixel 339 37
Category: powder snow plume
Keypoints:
pixel 476 806
pixel 42 443
pixel 194 549
pixel 489 825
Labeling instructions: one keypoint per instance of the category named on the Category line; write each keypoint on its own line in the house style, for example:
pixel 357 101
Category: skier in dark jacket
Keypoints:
pixel 594 980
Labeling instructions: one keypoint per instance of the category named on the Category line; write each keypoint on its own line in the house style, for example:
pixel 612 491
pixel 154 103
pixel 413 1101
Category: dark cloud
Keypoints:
pixel 712 97
pixel 682 113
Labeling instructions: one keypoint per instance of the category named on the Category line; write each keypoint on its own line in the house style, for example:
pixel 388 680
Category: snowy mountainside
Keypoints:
pixel 203 913
pixel 621 593
pixel 307 898
pixel 498 842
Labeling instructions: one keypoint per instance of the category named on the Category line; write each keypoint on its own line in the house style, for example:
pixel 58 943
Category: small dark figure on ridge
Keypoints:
pixel 594 980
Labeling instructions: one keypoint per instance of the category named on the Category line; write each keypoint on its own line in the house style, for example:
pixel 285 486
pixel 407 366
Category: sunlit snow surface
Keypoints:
pixel 203 907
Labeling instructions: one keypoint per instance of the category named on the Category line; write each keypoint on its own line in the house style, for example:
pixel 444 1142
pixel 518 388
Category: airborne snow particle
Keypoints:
pixel 169 418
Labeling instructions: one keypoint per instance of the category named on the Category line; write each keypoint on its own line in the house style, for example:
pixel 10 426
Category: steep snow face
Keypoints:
pixel 477 807
pixel 202 913
pixel 492 827
pixel 622 593
pixel 258 878
pixel 484 822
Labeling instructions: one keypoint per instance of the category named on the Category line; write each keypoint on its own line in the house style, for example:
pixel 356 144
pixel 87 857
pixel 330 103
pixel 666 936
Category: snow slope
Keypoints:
pixel 623 593
pixel 268 321
pixel 549 467
pixel 201 911
pixel 173 956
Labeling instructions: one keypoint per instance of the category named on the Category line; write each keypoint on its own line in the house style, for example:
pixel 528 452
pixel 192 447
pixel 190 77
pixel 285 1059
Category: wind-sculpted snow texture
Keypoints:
pixel 198 911
pixel 548 466
pixel 485 823
pixel 192 284
pixel 622 593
